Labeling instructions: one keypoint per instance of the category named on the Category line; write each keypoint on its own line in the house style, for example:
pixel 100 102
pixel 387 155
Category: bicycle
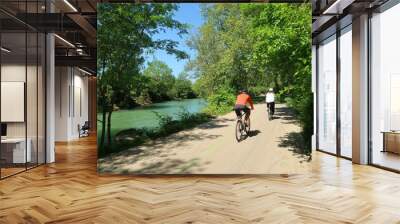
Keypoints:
pixel 242 127
pixel 269 111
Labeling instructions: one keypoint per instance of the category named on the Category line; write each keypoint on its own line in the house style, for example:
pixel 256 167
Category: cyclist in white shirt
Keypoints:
pixel 270 100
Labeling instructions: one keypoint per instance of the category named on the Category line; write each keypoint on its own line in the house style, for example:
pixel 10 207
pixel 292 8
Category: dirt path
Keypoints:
pixel 211 148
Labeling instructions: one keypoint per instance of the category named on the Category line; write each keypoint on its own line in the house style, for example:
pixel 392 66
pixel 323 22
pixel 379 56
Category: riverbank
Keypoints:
pixel 132 127
pixel 167 126
pixel 144 117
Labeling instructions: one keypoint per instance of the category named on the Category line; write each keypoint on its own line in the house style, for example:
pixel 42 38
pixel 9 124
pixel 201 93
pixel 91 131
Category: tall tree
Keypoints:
pixel 161 80
pixel 183 87
pixel 125 32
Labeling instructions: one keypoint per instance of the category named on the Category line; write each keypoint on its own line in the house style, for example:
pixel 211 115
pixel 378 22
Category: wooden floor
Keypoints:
pixel 8 171
pixel 70 191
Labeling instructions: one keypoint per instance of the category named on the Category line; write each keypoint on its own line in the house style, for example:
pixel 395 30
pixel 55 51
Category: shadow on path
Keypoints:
pixel 170 166
pixel 167 166
pixel 215 123
pixel 250 134
pixel 158 149
pixel 285 114
pixel 253 133
pixel 295 142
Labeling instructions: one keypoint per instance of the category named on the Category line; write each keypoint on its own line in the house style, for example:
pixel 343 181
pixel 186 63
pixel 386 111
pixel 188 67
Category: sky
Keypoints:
pixel 188 13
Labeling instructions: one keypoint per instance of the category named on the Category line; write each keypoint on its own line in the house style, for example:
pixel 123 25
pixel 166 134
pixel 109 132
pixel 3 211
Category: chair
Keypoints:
pixel 84 130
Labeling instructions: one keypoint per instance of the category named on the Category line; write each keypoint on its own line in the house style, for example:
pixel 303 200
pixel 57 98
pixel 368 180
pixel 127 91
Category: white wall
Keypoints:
pixel 13 101
pixel 71 94
pixel 16 73
pixel 80 111
pixel 62 81
pixel 12 73
pixel 33 127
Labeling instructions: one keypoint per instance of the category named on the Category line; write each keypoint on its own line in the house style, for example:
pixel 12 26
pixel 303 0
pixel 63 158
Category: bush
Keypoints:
pixel 306 111
pixel 257 90
pixel 143 99
pixel 220 102
pixel 304 108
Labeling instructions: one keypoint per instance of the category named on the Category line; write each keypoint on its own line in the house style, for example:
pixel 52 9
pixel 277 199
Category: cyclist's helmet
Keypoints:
pixel 271 89
pixel 243 91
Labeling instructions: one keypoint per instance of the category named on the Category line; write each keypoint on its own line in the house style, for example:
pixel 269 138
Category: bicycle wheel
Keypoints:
pixel 269 114
pixel 247 126
pixel 238 130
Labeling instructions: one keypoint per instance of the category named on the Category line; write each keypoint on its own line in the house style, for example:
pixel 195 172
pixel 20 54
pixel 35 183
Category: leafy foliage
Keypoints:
pixel 125 32
pixel 183 87
pixel 221 101
pixel 161 85
pixel 159 80
pixel 255 47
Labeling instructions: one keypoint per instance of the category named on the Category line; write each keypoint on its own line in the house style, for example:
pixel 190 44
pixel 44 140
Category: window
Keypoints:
pixel 346 92
pixel 385 88
pixel 22 87
pixel 327 95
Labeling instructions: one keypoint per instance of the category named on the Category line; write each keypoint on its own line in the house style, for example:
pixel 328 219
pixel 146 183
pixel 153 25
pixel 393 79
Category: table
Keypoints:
pixel 391 141
pixel 13 150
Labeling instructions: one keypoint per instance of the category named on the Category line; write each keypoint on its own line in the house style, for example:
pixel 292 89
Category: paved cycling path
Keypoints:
pixel 211 148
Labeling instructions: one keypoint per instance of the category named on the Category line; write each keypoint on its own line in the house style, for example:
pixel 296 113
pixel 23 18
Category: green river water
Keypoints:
pixel 143 117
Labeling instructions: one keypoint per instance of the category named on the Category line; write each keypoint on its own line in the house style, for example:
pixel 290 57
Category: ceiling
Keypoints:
pixel 73 22
pixel 332 15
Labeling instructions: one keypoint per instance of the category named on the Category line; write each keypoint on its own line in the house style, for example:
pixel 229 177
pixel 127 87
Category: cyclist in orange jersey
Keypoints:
pixel 242 100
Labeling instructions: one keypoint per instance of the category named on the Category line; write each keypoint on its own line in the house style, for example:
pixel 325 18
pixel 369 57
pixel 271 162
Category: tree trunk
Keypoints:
pixel 109 127
pixel 276 83
pixel 103 126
